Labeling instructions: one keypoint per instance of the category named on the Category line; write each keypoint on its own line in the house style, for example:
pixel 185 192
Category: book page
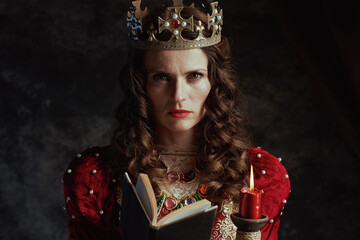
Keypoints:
pixel 146 195
pixel 183 212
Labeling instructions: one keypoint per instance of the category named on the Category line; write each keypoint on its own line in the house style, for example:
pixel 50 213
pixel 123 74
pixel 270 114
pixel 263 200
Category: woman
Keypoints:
pixel 180 123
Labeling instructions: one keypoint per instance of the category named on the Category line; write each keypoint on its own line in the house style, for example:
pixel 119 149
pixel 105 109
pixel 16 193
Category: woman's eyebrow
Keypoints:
pixel 196 70
pixel 156 70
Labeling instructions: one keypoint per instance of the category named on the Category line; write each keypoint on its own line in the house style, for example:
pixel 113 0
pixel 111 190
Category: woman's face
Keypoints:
pixel 178 85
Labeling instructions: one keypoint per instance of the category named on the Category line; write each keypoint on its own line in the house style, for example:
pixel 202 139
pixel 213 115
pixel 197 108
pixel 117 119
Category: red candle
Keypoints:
pixel 250 200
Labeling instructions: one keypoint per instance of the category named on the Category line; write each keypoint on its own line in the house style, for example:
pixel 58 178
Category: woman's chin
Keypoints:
pixel 180 128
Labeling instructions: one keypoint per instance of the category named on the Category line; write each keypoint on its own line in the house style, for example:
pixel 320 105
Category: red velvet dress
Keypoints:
pixel 91 204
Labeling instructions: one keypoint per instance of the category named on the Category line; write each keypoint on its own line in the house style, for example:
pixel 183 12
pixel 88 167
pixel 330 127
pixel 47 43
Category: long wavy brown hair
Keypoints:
pixel 223 138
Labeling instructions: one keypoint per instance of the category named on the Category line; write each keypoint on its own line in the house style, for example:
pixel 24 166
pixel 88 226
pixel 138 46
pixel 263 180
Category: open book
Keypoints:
pixel 139 215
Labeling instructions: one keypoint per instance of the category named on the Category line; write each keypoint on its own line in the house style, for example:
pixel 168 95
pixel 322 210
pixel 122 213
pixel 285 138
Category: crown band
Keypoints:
pixel 174 25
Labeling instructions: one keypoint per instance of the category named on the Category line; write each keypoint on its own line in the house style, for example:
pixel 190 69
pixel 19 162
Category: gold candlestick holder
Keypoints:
pixel 248 229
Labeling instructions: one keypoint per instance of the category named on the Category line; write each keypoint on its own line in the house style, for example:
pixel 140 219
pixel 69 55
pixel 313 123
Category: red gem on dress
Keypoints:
pixel 175 24
pixel 203 189
pixel 188 176
pixel 170 203
pixel 172 176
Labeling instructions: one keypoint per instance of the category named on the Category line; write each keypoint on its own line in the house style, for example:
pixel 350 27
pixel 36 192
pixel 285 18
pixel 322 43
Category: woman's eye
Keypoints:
pixel 161 77
pixel 195 75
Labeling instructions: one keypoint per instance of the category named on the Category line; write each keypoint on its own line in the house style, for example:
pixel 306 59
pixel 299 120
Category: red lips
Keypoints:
pixel 179 113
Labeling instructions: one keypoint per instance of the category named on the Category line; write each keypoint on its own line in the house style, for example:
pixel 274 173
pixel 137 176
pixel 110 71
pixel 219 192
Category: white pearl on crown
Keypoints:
pixel 183 24
pixel 176 32
pixel 175 16
pixel 167 24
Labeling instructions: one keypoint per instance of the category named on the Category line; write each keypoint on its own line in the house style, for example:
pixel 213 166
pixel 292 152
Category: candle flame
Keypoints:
pixel 251 178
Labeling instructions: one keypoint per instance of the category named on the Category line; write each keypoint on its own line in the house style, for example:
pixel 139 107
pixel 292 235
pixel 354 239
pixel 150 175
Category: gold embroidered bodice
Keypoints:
pixel 179 159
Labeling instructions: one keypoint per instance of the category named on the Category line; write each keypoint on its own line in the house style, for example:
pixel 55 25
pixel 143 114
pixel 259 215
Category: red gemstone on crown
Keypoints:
pixel 172 176
pixel 188 176
pixel 170 203
pixel 175 24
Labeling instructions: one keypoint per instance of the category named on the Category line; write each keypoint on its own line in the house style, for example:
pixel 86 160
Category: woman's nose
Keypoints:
pixel 179 90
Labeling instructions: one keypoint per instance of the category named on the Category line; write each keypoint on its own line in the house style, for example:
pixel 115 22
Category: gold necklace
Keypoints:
pixel 185 177
pixel 169 201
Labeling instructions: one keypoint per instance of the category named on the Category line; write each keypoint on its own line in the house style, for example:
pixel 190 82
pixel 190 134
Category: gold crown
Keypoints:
pixel 175 24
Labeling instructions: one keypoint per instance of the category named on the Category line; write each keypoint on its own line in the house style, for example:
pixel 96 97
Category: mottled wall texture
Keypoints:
pixel 59 64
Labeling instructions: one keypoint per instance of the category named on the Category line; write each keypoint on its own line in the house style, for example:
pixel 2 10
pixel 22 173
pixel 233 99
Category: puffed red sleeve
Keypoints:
pixel 272 178
pixel 90 198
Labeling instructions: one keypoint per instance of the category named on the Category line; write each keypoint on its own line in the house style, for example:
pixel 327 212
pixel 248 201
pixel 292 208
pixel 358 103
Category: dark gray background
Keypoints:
pixel 59 63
